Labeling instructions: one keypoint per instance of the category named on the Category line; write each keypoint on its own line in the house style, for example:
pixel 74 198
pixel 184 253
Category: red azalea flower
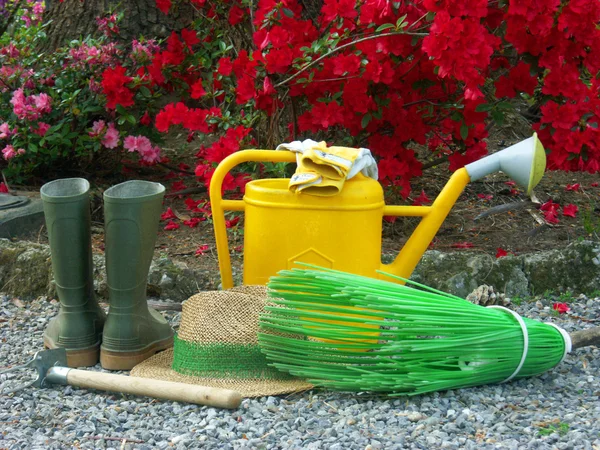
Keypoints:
pixel 233 222
pixel 462 245
pixel 390 219
pixel 236 15
pixel 500 252
pixel 146 120
pixel 113 86
pixel 595 184
pixel 168 214
pixel 570 210
pixel 190 37
pixel 164 5
pixel 560 307
pixel 197 90
pixel 178 186
pixel 3 188
pixel 421 199
pixel 192 205
pixel 550 206
pixel 202 249
pixel 171 226
pixel 573 187
pixel 193 222
pixel 485 196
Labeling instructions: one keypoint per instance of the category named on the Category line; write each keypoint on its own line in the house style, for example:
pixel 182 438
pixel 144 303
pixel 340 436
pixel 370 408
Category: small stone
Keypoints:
pixel 415 416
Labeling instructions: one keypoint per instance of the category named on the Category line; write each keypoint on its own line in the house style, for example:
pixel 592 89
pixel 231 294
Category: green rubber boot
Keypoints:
pixel 78 325
pixel 133 332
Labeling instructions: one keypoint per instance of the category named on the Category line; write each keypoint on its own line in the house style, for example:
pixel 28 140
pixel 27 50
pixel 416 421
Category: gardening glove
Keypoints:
pixel 322 170
pixel 310 182
pixel 300 147
pixel 340 162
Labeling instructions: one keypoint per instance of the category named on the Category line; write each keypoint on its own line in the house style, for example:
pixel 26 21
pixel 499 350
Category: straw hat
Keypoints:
pixel 217 346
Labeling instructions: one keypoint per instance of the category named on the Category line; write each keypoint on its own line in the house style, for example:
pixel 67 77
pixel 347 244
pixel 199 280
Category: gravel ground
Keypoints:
pixel 560 409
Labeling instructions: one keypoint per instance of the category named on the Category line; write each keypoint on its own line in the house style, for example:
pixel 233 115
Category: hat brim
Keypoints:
pixel 159 367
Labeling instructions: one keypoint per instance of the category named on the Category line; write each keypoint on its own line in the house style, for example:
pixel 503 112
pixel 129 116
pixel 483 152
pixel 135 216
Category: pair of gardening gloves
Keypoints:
pixel 323 170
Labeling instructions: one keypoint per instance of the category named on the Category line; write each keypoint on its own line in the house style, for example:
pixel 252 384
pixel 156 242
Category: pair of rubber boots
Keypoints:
pixel 131 332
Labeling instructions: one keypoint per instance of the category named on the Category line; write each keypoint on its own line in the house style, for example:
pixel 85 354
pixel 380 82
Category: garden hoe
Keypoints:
pixel 51 369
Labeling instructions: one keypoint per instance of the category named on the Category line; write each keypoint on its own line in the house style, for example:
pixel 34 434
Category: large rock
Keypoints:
pixel 25 270
pixel 575 268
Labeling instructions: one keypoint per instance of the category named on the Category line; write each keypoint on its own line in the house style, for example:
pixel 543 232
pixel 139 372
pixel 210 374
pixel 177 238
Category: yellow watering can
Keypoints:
pixel 343 231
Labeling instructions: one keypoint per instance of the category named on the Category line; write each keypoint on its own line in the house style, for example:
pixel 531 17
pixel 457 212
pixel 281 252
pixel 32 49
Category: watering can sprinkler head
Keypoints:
pixel 524 162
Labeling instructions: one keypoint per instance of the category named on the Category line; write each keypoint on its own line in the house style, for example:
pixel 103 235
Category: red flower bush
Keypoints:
pixel 396 77
pixel 367 69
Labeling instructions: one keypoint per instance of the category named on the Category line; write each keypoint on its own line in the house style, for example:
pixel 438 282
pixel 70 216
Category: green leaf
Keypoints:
pixel 400 21
pixel 121 109
pixel 131 119
pixel 32 147
pixel 385 26
pixel 288 12
pixel 498 117
pixel 145 91
pixel 505 105
pixel 483 107
pixel 365 120
pixel 430 16
pixel 464 131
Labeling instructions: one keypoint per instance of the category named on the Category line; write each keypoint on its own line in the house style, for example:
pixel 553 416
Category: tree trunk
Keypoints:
pixel 74 19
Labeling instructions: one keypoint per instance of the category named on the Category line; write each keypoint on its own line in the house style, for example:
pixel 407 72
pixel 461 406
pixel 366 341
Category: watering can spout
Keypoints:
pixel 524 162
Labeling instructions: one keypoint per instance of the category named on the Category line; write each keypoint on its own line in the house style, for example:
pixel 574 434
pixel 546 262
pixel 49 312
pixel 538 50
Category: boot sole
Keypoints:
pixel 128 360
pixel 85 357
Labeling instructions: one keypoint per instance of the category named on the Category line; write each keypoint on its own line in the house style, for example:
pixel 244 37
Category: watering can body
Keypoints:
pixel 341 232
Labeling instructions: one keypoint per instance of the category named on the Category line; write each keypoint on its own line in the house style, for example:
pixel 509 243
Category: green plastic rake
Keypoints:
pixel 349 332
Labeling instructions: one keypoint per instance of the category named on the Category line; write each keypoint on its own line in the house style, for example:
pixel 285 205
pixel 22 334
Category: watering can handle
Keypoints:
pixel 220 205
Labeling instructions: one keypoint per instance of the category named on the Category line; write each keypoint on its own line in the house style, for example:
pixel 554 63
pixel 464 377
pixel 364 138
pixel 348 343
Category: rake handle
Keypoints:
pixel 167 390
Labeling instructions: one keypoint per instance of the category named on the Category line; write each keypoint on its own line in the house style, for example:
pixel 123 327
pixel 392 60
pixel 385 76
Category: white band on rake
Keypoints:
pixel 567 338
pixel 525 340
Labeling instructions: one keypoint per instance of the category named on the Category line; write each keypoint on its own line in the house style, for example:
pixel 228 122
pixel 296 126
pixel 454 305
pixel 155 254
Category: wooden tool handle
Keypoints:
pixel 168 390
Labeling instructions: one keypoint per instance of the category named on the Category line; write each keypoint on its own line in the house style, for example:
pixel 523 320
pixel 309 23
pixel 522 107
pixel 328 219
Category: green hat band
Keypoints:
pixel 223 360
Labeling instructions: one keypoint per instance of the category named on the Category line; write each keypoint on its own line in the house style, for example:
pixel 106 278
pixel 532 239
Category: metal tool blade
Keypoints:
pixel 41 362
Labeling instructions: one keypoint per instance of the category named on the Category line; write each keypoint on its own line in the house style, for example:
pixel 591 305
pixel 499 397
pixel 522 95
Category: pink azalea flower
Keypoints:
pixel 4 130
pixel 42 129
pixel 8 152
pixel 97 128
pixel 111 138
pixel 18 102
pixel 152 155
pixel 43 102
pixel 20 151
pixel 130 143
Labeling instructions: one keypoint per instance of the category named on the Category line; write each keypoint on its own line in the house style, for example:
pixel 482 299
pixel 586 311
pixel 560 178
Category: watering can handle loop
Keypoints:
pixel 219 205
